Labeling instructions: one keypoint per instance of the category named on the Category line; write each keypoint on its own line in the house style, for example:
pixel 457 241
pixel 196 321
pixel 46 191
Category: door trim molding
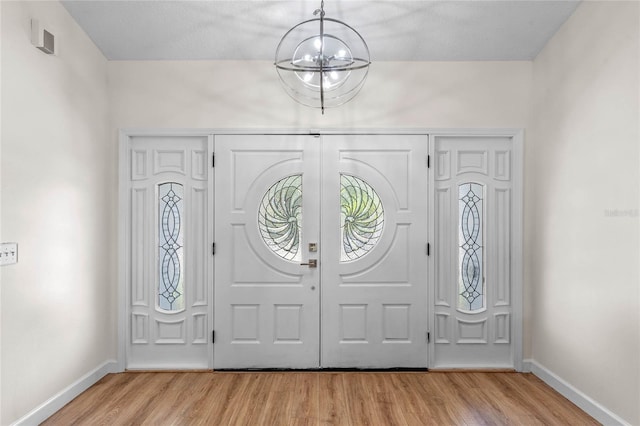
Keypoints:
pixel 123 248
pixel 434 131
pixel 516 135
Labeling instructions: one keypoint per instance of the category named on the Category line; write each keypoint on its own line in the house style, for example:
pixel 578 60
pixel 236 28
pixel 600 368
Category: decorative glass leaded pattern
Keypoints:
pixel 470 280
pixel 280 217
pixel 362 217
pixel 170 246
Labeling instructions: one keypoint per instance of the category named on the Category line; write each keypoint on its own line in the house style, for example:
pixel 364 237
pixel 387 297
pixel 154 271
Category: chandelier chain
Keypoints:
pixel 321 10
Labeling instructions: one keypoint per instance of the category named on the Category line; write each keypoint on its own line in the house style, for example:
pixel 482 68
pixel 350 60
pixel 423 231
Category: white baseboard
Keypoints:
pixel 56 402
pixel 588 405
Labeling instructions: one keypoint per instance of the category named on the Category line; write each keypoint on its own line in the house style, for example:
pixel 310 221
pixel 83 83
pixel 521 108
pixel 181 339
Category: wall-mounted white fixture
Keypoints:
pixel 41 38
pixel 8 253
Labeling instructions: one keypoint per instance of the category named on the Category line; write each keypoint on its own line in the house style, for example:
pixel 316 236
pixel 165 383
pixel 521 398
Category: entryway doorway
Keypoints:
pixel 324 256
pixel 331 250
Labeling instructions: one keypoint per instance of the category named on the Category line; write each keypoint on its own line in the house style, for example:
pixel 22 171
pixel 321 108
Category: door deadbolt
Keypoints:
pixel 313 263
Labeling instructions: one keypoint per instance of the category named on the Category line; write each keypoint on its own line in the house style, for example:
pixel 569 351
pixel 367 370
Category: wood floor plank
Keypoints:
pixel 320 398
pixel 303 400
pixel 332 404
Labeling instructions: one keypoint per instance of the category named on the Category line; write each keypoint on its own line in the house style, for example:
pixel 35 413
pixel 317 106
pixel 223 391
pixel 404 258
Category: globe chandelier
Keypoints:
pixel 322 62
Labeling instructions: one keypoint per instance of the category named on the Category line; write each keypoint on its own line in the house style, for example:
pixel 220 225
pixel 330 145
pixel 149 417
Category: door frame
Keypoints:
pixel 517 235
pixel 124 225
pixel 124 231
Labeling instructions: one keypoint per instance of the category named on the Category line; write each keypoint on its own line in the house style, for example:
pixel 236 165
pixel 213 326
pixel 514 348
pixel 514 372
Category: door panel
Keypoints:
pixel 267 212
pixel 473 241
pixel 374 293
pixel 168 298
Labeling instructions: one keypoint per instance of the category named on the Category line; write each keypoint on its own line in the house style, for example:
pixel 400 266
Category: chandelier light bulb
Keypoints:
pixel 312 57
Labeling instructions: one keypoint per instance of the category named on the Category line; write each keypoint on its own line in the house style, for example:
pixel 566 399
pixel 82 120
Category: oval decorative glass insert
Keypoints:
pixel 470 258
pixel 170 247
pixel 362 217
pixel 280 217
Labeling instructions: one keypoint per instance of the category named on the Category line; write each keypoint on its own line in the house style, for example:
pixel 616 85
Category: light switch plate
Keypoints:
pixel 8 253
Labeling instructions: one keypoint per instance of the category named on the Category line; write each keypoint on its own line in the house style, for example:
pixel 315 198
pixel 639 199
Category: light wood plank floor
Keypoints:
pixel 320 398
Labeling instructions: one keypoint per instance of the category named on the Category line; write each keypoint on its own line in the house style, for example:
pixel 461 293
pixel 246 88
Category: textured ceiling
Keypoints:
pixel 250 30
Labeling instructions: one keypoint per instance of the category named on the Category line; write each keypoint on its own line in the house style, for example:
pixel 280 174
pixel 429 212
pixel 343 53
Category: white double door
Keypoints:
pixel 356 206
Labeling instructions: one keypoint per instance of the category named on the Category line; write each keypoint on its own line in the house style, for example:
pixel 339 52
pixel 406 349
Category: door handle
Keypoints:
pixel 313 263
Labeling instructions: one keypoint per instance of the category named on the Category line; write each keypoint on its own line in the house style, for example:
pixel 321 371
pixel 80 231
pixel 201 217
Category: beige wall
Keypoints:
pixel 230 94
pixel 58 175
pixel 583 199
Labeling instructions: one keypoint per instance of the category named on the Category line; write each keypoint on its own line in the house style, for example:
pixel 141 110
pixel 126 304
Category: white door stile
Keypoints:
pixel 211 208
pixel 431 226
